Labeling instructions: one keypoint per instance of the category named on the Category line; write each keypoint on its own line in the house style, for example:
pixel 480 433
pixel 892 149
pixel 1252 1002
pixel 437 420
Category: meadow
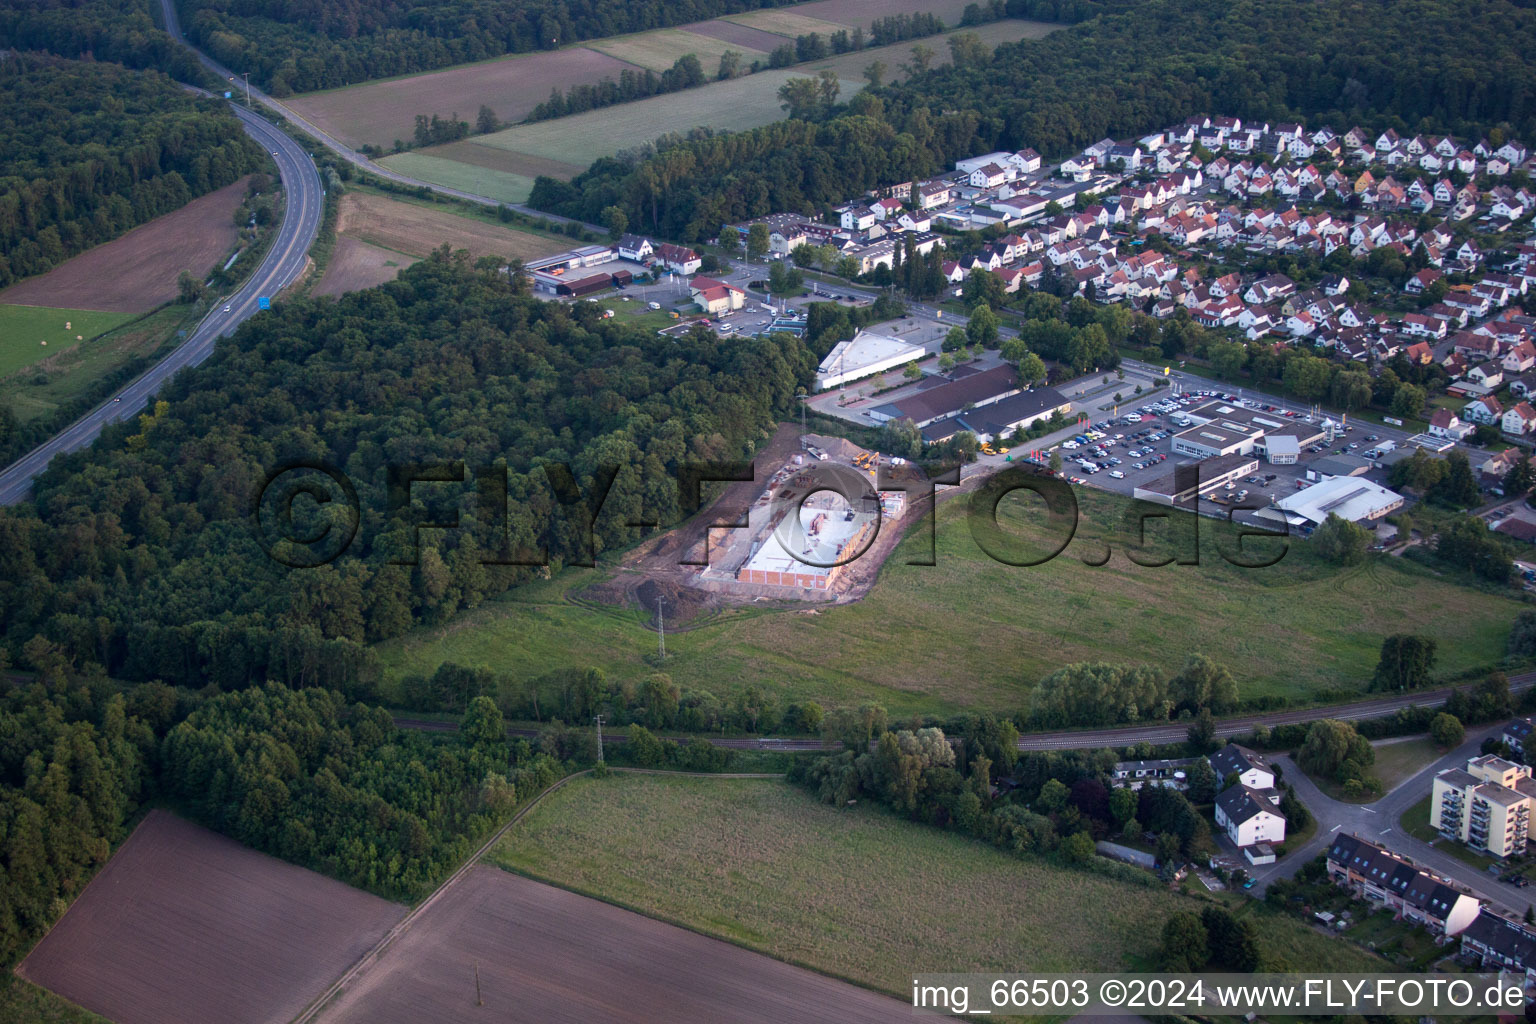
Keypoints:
pixel 29 334
pixel 857 893
pixel 971 632
pixel 660 49
pixel 739 104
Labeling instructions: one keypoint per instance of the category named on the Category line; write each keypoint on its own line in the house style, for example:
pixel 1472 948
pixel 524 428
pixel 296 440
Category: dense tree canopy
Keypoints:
pixel 89 150
pixel 319 44
pixel 140 554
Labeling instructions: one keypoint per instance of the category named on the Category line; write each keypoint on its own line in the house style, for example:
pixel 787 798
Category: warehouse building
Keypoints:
pixel 826 537
pixel 864 355
pixel 997 420
pixel 1348 497
pixel 1181 484
pixel 937 397
pixel 1224 428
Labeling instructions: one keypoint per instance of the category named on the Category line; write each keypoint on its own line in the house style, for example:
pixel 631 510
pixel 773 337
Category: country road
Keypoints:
pixel 173 26
pixel 1089 739
pixel 283 264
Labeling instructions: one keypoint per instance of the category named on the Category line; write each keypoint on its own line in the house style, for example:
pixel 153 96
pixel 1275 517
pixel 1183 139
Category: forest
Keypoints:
pixel 318 44
pixel 1429 65
pixel 90 150
pixel 300 774
pixel 144 554
pixel 120 31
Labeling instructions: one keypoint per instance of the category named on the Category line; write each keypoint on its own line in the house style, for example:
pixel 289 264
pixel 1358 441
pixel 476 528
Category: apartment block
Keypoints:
pixel 1486 806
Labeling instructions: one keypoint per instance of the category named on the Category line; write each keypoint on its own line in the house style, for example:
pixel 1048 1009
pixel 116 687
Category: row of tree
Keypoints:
pixel 1103 694
pixel 89 150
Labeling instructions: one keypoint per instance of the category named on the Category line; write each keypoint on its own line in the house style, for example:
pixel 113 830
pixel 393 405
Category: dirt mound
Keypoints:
pixel 679 604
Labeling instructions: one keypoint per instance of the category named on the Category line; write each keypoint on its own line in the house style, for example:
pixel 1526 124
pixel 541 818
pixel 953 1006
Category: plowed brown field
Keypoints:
pixel 548 956
pixel 186 925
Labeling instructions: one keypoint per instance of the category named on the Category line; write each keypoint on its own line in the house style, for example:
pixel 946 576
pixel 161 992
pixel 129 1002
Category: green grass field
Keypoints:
pixel 65 375
pixel 483 181
pixel 660 49
pixel 741 103
pixel 1397 760
pixel 861 893
pixel 29 334
pixel 788 23
pixel 970 632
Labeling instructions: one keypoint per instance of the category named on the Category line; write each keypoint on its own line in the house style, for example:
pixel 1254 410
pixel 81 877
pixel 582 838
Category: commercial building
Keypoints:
pixel 1226 428
pixel 1347 497
pixel 997 420
pixel 1377 875
pixel 1487 806
pixel 864 355
pixel 1181 484
pixel 966 388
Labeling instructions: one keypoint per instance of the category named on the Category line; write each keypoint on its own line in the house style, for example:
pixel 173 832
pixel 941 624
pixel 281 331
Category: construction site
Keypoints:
pixel 816 529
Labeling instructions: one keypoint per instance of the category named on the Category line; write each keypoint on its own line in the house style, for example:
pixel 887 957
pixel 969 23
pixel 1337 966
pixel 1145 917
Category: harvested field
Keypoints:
pixel 739 36
pixel 417 230
pixel 785 21
pixel 545 954
pixel 380 112
pixel 735 105
pixel 355 264
pixel 186 925
pixel 499 185
pixel 492 158
pixel 31 334
pixel 661 49
pixel 138 271
pixel 762 863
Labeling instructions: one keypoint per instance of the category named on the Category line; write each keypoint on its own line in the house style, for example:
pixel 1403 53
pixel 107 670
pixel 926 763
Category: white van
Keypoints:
pixel 653 305
pixel 1115 474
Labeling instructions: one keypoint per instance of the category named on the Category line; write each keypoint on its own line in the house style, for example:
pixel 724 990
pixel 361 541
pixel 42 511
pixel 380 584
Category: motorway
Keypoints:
pixel 341 149
pixel 284 262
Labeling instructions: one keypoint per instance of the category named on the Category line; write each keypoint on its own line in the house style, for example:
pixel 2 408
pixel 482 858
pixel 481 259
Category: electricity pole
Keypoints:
pixel 804 398
pixel 599 720
pixel 478 1000
pixel 661 622
pixel 247 76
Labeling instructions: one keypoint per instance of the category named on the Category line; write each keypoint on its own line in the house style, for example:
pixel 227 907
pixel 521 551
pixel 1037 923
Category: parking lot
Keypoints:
pixel 1135 449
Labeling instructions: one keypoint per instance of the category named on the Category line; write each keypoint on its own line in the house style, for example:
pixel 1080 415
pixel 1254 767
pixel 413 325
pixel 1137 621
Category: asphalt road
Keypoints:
pixel 284 262
pixel 341 149
pixel 1378 822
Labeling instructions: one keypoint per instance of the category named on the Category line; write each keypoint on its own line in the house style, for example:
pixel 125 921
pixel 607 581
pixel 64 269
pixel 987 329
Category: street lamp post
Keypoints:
pixel 247 76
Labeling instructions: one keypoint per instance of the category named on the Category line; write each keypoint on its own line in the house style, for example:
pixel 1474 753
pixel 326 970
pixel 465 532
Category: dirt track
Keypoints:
pixel 138 271
pixel 548 955
pixel 185 925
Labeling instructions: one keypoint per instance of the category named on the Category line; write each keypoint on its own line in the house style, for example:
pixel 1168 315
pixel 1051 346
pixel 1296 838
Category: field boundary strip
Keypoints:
pixel 312 1011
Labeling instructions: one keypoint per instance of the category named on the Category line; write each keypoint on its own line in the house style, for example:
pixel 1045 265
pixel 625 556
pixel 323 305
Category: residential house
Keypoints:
pixel 1519 420
pixel 1379 876
pixel 1444 423
pixel 1250 766
pixel 635 248
pixel 1250 817
pixel 1497 943
pixel 1486 409
pixel 678 258
pixel 716 297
